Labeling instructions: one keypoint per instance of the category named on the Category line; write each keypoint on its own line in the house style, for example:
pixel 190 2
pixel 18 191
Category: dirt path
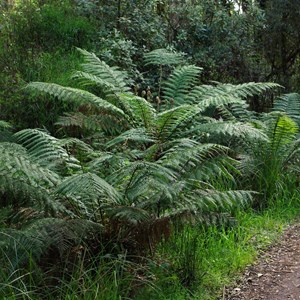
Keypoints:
pixel 277 274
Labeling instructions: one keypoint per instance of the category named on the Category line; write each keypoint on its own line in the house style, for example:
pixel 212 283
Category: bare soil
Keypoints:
pixel 276 276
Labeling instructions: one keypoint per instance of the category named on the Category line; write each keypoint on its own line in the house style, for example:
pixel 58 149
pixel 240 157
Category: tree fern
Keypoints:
pixel 266 165
pixel 222 93
pixel 289 104
pixel 45 149
pixel 23 182
pixel 137 135
pixel 219 131
pixel 179 84
pixel 36 239
pixel 186 155
pixel 88 79
pixel 88 193
pixel 168 122
pixel 111 75
pixel 139 112
pixel 74 96
pixel 82 125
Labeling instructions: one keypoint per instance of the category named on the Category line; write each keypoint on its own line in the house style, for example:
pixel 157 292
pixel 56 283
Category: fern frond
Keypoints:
pixel 112 75
pixel 15 163
pixel 169 122
pixel 5 125
pixel 134 179
pixel 74 96
pixel 87 79
pixel 139 111
pixel 219 131
pixel 138 135
pixel 240 111
pixel 163 57
pixel 88 187
pixel 223 94
pixel 44 149
pixel 69 143
pixel 88 124
pixel 32 242
pixel 25 182
pixel 248 89
pixel 179 84
pixel 289 104
pixel 129 214
pixel 212 200
pixel 284 132
pixel 105 163
pixel 189 155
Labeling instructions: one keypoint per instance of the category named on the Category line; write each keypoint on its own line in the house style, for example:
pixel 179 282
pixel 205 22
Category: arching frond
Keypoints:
pixel 208 200
pixel 221 132
pixel 129 214
pixel 163 57
pixel 112 75
pixel 15 163
pixel 106 162
pixel 170 121
pixel 179 84
pixel 89 187
pixel 78 123
pixel 223 94
pixel 139 111
pixel 73 143
pixel 45 149
pixel 134 179
pixel 189 155
pixel 289 104
pixel 74 96
pixel 33 241
pixel 24 182
pixel 240 111
pixel 138 135
pixel 248 89
pixel 87 79
pixel 284 132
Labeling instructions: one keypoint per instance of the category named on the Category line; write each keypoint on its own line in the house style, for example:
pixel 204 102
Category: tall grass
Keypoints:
pixel 204 259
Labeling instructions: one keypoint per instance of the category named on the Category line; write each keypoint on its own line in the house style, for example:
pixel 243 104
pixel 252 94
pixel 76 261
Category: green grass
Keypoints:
pixel 215 256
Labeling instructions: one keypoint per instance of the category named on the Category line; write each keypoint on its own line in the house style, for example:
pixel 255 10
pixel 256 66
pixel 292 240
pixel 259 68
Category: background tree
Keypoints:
pixel 280 39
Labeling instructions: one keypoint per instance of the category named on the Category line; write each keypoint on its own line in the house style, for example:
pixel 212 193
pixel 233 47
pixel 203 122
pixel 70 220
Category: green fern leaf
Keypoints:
pixel 289 104
pixel 138 135
pixel 163 57
pixel 112 75
pixel 139 111
pixel 179 84
pixel 89 186
pixel 74 96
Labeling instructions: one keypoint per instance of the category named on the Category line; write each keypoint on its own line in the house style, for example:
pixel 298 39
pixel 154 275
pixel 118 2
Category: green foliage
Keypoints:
pixel 180 82
pixel 289 104
pixel 267 166
pixel 163 57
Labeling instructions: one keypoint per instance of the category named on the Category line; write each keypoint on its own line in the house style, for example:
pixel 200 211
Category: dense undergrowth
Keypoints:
pixel 207 258
pixel 129 174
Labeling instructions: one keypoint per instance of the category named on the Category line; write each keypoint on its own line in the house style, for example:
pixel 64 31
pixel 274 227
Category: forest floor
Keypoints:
pixel 276 275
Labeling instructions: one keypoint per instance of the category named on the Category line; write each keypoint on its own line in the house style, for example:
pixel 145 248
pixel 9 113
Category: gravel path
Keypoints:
pixel 277 274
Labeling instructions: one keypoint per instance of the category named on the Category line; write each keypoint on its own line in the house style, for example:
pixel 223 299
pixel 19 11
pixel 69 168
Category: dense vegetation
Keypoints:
pixel 127 169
